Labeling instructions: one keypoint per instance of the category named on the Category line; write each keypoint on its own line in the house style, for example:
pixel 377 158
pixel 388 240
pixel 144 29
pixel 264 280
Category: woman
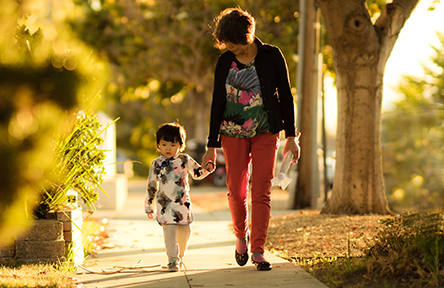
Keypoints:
pixel 252 103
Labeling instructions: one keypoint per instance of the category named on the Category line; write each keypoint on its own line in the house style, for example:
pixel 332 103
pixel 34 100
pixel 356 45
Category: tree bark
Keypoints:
pixel 200 115
pixel 360 52
pixel 304 185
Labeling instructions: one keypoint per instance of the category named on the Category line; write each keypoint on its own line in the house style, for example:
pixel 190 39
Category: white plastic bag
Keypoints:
pixel 281 179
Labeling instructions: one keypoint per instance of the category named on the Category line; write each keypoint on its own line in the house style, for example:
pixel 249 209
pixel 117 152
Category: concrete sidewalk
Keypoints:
pixel 137 241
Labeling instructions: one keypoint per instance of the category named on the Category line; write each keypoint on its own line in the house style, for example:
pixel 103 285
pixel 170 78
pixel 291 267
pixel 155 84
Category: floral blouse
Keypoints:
pixel 244 115
pixel 168 183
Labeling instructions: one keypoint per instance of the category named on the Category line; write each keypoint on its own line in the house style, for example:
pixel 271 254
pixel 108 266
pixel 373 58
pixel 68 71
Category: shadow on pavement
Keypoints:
pixel 283 275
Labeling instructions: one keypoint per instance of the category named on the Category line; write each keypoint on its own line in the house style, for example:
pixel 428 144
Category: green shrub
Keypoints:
pixel 45 75
pixel 411 243
pixel 78 167
pixel 34 100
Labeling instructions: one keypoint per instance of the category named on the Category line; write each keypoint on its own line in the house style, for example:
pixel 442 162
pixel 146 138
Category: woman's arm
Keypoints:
pixel 210 156
pixel 219 98
pixel 286 100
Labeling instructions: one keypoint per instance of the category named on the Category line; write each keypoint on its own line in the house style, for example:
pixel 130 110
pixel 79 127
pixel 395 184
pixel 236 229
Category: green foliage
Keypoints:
pixel 78 165
pixel 44 75
pixel 162 59
pixel 411 243
pixel 30 100
pixel 81 158
pixel 412 139
pixel 408 251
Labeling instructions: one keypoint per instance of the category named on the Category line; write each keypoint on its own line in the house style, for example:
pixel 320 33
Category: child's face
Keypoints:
pixel 168 149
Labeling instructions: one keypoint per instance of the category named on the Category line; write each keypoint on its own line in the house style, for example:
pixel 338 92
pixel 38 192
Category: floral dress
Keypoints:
pixel 244 115
pixel 168 183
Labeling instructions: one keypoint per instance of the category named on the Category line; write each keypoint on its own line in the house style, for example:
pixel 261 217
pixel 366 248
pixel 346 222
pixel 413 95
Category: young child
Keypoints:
pixel 168 183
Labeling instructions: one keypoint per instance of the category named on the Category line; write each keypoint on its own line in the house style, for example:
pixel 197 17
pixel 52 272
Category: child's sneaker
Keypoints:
pixel 173 266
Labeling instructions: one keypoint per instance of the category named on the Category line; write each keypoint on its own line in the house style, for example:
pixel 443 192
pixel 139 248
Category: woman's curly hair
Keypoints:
pixel 233 25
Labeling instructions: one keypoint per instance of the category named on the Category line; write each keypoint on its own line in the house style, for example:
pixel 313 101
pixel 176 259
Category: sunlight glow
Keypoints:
pixel 412 48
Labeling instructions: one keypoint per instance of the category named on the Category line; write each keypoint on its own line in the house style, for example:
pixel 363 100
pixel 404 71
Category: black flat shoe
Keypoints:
pixel 262 266
pixel 242 259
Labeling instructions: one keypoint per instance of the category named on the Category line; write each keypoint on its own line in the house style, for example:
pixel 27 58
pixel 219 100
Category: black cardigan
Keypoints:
pixel 276 94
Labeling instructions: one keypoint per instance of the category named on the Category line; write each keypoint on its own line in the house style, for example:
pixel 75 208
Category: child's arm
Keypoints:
pixel 151 191
pixel 197 171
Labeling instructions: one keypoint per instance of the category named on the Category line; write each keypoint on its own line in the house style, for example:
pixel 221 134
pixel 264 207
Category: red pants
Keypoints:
pixel 261 152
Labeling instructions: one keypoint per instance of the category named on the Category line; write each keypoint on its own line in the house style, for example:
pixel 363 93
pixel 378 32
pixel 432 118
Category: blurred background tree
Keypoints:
pixel 413 137
pixel 161 64
pixel 45 73
pixel 162 60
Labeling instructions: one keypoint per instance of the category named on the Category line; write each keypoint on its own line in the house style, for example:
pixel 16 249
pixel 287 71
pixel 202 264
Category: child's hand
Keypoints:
pixel 209 166
pixel 150 215
pixel 209 157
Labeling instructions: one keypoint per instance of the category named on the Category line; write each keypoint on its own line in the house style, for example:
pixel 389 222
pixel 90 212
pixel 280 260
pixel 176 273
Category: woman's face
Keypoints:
pixel 236 49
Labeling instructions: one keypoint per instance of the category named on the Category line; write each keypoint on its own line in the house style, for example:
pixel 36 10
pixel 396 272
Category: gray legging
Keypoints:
pixel 176 240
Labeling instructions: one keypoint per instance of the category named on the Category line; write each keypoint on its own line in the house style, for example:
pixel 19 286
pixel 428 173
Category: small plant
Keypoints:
pixel 14 274
pixel 79 165
pixel 412 243
pixel 347 256
pixel 407 252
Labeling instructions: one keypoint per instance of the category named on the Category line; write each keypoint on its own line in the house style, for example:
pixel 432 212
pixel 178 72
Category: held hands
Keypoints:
pixel 210 159
pixel 209 166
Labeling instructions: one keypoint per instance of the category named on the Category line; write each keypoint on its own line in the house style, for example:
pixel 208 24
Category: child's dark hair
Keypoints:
pixel 171 132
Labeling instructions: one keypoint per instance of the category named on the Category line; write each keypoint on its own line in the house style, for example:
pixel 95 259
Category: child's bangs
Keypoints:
pixel 171 138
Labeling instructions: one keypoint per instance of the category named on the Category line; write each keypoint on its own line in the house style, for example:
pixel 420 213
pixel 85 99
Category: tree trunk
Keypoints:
pixel 197 106
pixel 304 187
pixel 360 52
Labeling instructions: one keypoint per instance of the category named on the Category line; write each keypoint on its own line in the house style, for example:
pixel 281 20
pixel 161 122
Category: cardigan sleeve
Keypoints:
pixel 286 101
pixel 219 98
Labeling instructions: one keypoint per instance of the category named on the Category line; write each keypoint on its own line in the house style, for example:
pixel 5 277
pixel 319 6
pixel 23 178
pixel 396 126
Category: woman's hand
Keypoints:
pixel 210 158
pixel 292 145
